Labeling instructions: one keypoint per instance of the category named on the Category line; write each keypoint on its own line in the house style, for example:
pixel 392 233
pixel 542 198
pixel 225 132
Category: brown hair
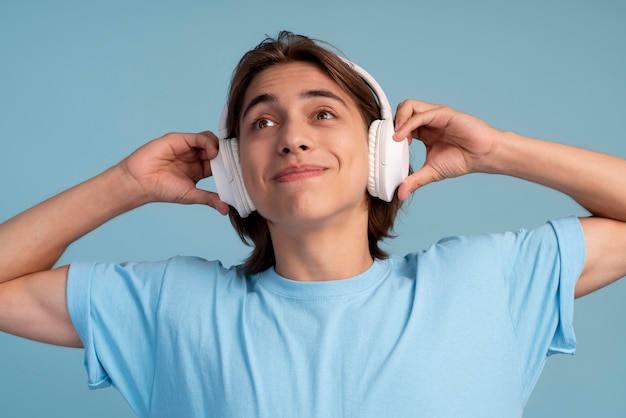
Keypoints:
pixel 286 48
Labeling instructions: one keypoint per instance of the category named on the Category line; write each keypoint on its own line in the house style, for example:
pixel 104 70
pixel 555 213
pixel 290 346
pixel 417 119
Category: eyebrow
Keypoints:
pixel 322 93
pixel 261 98
pixel 307 94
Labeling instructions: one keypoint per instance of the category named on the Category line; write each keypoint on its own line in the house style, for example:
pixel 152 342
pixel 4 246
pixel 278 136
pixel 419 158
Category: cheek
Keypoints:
pixel 248 162
pixel 364 170
pixel 249 167
pixel 359 163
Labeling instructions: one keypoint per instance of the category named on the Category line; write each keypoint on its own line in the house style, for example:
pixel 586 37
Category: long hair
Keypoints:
pixel 287 48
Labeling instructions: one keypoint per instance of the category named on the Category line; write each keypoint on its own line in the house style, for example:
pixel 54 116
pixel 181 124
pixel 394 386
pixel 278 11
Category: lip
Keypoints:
pixel 295 173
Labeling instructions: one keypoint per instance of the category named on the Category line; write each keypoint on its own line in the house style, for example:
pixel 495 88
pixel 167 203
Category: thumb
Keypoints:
pixel 205 197
pixel 423 176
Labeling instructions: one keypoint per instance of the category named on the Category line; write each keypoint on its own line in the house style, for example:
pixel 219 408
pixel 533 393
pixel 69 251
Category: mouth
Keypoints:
pixel 298 173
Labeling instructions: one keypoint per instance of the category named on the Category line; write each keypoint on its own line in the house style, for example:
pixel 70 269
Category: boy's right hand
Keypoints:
pixel 167 169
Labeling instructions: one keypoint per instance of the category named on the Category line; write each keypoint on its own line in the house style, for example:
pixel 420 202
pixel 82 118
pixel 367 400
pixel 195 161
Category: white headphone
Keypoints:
pixel 388 158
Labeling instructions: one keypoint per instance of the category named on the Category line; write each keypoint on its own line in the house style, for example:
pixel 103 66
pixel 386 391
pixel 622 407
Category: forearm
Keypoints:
pixel 597 181
pixel 35 239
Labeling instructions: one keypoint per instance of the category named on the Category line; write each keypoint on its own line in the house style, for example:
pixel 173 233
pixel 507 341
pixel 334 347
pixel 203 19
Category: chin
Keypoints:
pixel 315 213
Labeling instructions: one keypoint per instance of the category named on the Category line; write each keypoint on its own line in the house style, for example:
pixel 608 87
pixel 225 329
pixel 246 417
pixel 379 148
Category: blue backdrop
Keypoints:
pixel 84 83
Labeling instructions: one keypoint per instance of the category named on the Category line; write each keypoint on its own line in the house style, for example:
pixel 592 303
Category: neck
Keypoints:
pixel 329 252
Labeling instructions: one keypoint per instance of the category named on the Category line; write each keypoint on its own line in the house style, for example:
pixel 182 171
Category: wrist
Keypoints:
pixel 507 152
pixel 119 187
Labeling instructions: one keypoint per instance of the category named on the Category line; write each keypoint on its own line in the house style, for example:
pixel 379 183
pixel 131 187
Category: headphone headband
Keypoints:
pixel 383 102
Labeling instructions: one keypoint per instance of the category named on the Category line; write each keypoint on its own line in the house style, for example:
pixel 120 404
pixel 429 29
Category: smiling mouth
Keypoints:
pixel 298 173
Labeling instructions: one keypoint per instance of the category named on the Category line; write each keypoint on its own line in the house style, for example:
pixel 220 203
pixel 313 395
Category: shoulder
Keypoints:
pixel 498 250
pixel 190 265
pixel 191 274
pixel 176 275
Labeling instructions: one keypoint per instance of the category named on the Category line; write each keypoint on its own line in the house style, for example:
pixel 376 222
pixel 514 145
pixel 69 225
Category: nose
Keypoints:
pixel 295 137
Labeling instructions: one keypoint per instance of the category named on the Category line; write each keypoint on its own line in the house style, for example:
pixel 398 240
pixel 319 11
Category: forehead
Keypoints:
pixel 292 78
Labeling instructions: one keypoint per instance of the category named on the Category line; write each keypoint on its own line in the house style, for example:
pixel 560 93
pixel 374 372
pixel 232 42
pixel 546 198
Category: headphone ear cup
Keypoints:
pixel 226 171
pixel 372 179
pixel 388 160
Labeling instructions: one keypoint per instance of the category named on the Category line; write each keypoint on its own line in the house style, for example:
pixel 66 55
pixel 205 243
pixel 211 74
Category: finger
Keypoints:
pixel 405 113
pixel 420 178
pixel 205 197
pixel 409 106
pixel 433 117
pixel 205 141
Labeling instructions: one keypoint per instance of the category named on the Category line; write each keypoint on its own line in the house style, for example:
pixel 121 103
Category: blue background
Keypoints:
pixel 83 84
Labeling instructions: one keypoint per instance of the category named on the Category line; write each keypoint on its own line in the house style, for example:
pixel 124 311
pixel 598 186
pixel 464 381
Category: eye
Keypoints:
pixel 263 123
pixel 324 114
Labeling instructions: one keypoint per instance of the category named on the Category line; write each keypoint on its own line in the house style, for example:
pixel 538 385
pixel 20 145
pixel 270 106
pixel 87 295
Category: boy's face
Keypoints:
pixel 303 148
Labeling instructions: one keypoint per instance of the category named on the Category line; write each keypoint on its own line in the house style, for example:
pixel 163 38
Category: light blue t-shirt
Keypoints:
pixel 462 329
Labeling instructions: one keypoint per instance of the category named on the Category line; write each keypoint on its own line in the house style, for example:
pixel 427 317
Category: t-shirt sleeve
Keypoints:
pixel 113 308
pixel 541 274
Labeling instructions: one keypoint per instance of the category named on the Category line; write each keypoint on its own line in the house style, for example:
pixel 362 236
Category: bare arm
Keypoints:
pixel 459 144
pixel 32 297
pixel 596 181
